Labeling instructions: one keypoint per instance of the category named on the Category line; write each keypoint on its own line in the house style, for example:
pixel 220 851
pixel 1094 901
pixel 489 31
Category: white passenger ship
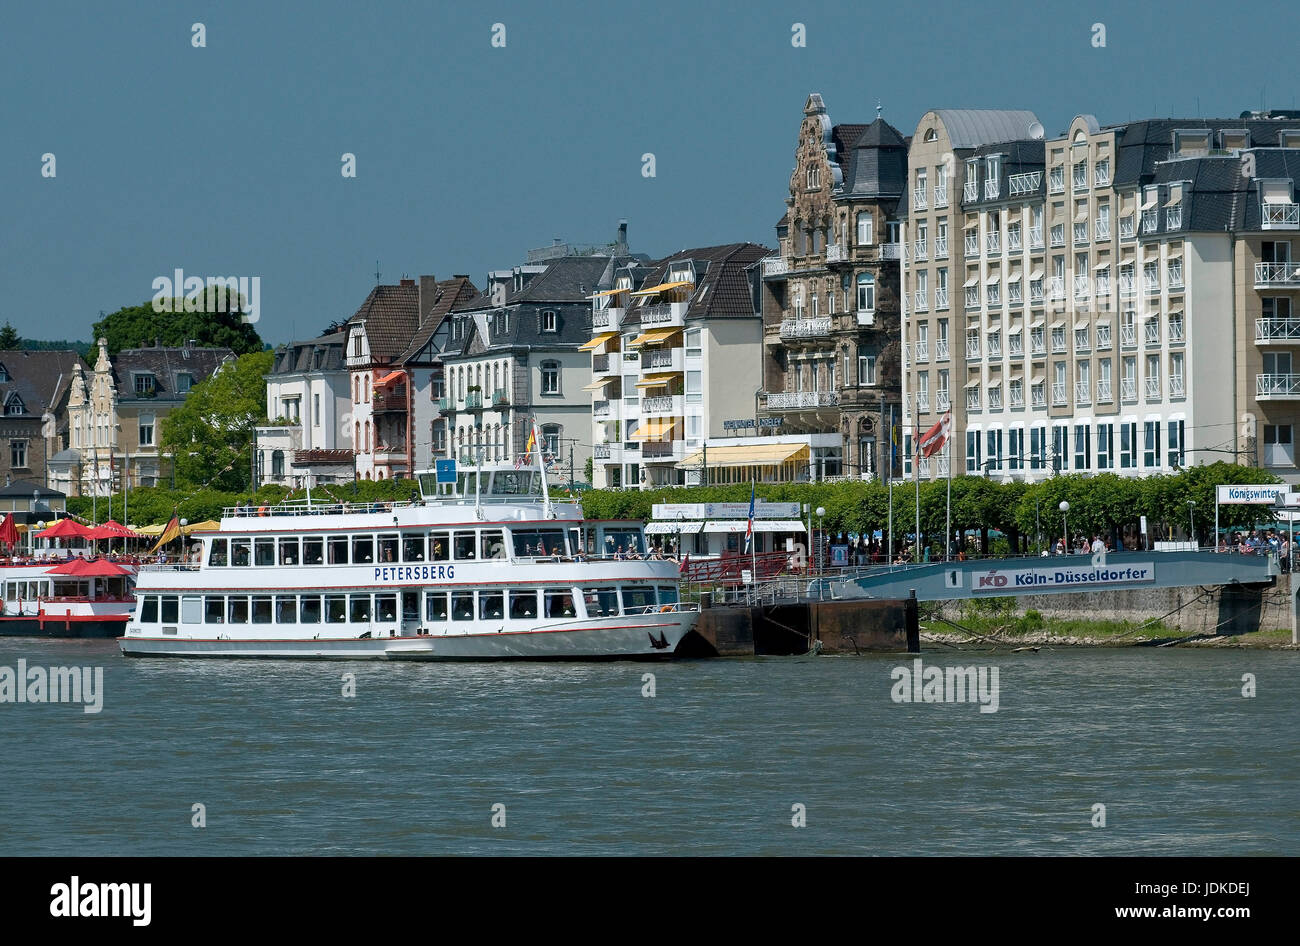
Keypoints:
pixel 483 568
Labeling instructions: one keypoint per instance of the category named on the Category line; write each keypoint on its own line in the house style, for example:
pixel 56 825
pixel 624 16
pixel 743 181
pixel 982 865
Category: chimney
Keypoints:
pixel 407 282
pixel 620 244
pixel 428 296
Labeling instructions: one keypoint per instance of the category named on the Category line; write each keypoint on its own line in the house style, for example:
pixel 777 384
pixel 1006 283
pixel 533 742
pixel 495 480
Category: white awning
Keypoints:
pixel 1100 266
pixel 973 384
pixel 779 525
pixel 1014 277
pixel 1103 323
pixel 973 281
pixel 1015 377
pixel 972 225
pixel 1148 204
pixel 1037 379
pixel 1037 323
pixel 1036 275
pixel 993 278
pixel 1059 323
pixel 1015 330
pixel 1175 251
pixel 1081 214
pixel 672 527
pixel 1081 323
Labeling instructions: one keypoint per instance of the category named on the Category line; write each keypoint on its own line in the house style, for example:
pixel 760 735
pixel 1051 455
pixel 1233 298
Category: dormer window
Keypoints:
pixel 356 344
pixel 550 321
pixel 1193 142
pixel 4 375
pixel 931 135
pixel 144 385
pixel 184 381
pixel 1234 140
pixel 15 406
pixel 1288 138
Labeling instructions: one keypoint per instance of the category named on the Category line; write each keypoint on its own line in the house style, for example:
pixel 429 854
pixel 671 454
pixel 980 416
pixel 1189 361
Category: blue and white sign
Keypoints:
pixel 1250 495
pixel 445 471
pixel 1012 580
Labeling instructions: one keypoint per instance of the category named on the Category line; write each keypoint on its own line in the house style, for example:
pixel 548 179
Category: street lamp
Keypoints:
pixel 1191 518
pixel 1065 527
pixel 821 539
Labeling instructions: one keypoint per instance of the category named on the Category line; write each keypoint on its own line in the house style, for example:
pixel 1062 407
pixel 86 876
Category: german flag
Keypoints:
pixel 173 531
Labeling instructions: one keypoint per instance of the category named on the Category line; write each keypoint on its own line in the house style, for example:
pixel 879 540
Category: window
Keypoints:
pixel 1151 444
pixel 14 407
pixel 1082 447
pixel 550 377
pixel 972 451
pixel 993 440
pixel 866 293
pixel 1279 445
pixel 1015 448
pixel 146 430
pixel 144 385
pixel 315 410
pixel 694 387
pixel 18 453
pixel 1128 446
pixel 1105 446
pixel 1060 448
pixel 694 345
pixel 1037 447
pixel 551 439
pixel 277 462
pixel 864 228
pixel 1176 444
pixel 550 321
pixel 184 381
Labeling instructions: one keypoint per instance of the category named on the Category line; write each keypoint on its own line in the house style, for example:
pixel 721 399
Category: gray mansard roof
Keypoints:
pixel 972 127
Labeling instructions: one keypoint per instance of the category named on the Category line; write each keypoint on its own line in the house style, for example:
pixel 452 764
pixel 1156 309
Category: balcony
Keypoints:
pixel 1176 332
pixel 1103 337
pixel 973 399
pixel 1153 389
pixel 1103 290
pixel 1101 176
pixel 972 296
pixel 1174 218
pixel 1176 386
pixel 1128 336
pixel 806 328
pixel 941 349
pixel 941 247
pixel 1081 177
pixel 941 298
pixel 922 251
pixel 802 400
pixel 1016 398
pixel 1058 234
pixel 1101 228
pixel 1056 287
pixel 940 195
pixel 385 402
pixel 1150 221
pixel 1015 344
pixel 970 191
pixel 1014 293
pixel 663 450
pixel 907 354
pixel 919 301
pixel 995 397
pixel 972 349
pixel 1036 291
pixel 972 243
pixel 601 451
pixel 993 241
pixel 1021 184
pixel 1081 345
pixel 474 401
pixel 1277 275
pixel 1037 345
pixel 657 360
pixel 991 189
pixel 836 253
pixel 890 250
pixel 1082 288
pixel 1103 392
pixel 672 313
pixel 995 345
pixel 1127 287
pixel 1082 393
pixel 1152 285
pixel 1035 238
pixel 1175 276
pixel 775 266
pixel 1014 244
pixel 1037 396
pixel 920 197
pixel 1126 231
pixel 1056 181
pixel 1277 330
pixel 923 402
pixel 602 408
pixel 1058 393
pixel 1058 341
pixel 941 401
pixel 500 398
pixel 600 364
pixel 609 319
pixel 1280 216
pixel 665 404
pixel 1151 333
pixel 1081 233
pixel 1277 386
pixel 390 453
pixel 1128 390
pixel 922 352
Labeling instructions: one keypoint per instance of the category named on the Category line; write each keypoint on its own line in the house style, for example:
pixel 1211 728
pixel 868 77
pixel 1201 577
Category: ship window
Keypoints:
pixel 628 540
pixel 464 543
pixel 667 594
pixel 537 542
pixel 359 610
pixel 286 609
pixel 492 544
pixel 601 602
pixel 413 548
pixel 218 552
pixel 214 609
pixel 387 548
pixel 435 605
pixel 237 609
pixel 363 549
pixel 313 550
pixel 439 547
pixel 462 606
pixel 386 607
pixel 240 551
pixel 309 609
pixel 264 551
pixel 491 605
pixel 638 600
pixel 289 551
pixel 336 609
pixel 261 609
pixel 170 609
pixel 559 604
pixel 523 605
pixel 338 550
pixel 148 610
pixel 191 609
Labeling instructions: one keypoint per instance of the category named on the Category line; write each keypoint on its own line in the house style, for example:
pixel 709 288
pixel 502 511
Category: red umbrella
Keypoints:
pixel 84 568
pixel 112 530
pixel 8 530
pixel 65 529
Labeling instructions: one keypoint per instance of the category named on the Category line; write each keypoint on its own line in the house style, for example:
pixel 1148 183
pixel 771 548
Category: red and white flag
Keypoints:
pixel 932 440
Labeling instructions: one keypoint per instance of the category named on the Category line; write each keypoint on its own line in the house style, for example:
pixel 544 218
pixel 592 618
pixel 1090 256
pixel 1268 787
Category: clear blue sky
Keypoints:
pixel 226 160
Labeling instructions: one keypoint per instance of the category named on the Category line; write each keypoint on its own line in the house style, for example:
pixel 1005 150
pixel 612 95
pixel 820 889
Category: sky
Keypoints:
pixel 226 160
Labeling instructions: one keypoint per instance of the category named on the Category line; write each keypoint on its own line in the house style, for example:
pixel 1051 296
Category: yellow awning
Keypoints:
pixel 653 337
pixel 657 380
pixel 607 292
pixel 598 383
pixel 759 454
pixel 663 287
pixel 655 429
pixel 598 341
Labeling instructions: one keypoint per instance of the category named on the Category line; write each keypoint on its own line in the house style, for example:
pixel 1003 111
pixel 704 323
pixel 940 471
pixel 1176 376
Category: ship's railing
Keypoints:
pixel 182 567
pixel 299 507
pixel 83 599
pixel 675 607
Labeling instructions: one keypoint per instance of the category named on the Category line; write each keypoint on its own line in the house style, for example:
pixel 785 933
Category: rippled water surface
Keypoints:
pixel 712 764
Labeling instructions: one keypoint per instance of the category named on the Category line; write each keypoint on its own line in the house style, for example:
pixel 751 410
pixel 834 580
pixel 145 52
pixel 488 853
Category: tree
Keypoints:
pixel 139 325
pixel 9 338
pixel 212 433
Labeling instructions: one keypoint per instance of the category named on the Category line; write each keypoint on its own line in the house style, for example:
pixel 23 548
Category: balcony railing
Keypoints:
pixel 1277 275
pixel 1153 389
pixel 1082 393
pixel 922 352
pixel 602 408
pixel 775 266
pixel 941 195
pixel 890 251
pixel 1056 181
pixel 1277 385
pixel 1058 393
pixel 922 250
pixel 1151 332
pixel 973 399
pixel 1027 183
pixel 941 247
pixel 972 296
pixel 1280 216
pixel 1150 221
pixel 1058 234
pixel 1035 238
pixel 651 450
pixel 500 398
pixel 1081 344
pixel 993 240
pixel 1037 344
pixel 1128 336
pixel 1128 389
pixel 907 354
pixel 941 401
pixel 1058 341
pixel 1175 275
pixel 601 451
pixel 1035 290
pixel 1269 330
pixel 995 345
pixel 1126 231
pixel 972 243
pixel 805 328
pixel 1016 397
pixel 670 358
pixel 600 364
pixel 1101 228
pixel 1103 392
pixel 1081 178
pixel 970 191
pixel 1081 233
pixel 1015 344
pixel 609 318
pixel 835 253
pixel 995 398
pixel 666 404
pixel 1151 284
pixel 941 298
pixel 1056 287
pixel 660 314
pixel 1103 289
pixel 1037 396
pixel 1103 337
pixel 1014 244
pixel 991 189
pixel 922 402
pixel 941 349
pixel 802 400
pixel 1174 218
pixel 1127 286
pixel 1101 174
pixel 920 197
pixel 1176 385
pixel 474 401
pixel 972 348
pixel 1082 287
pixel 1175 331
pixel 1014 293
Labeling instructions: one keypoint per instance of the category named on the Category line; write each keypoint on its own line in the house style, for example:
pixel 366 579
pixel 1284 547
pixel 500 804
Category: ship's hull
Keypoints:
pixel 89 626
pixel 655 636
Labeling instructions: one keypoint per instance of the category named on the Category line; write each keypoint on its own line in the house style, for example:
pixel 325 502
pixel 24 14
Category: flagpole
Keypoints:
pixel 916 479
pixel 947 517
pixel 889 556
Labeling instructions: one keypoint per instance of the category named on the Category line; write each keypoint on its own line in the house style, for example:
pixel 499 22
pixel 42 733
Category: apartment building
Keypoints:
pixel 1106 274
pixel 34 391
pixel 308 396
pixel 831 304
pixel 676 358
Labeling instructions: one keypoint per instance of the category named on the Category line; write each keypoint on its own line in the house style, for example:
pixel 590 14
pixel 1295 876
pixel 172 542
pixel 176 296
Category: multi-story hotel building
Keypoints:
pixel 830 301
pixel 1125 294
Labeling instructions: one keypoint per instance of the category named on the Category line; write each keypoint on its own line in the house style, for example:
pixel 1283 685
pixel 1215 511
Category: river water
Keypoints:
pixel 716 762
